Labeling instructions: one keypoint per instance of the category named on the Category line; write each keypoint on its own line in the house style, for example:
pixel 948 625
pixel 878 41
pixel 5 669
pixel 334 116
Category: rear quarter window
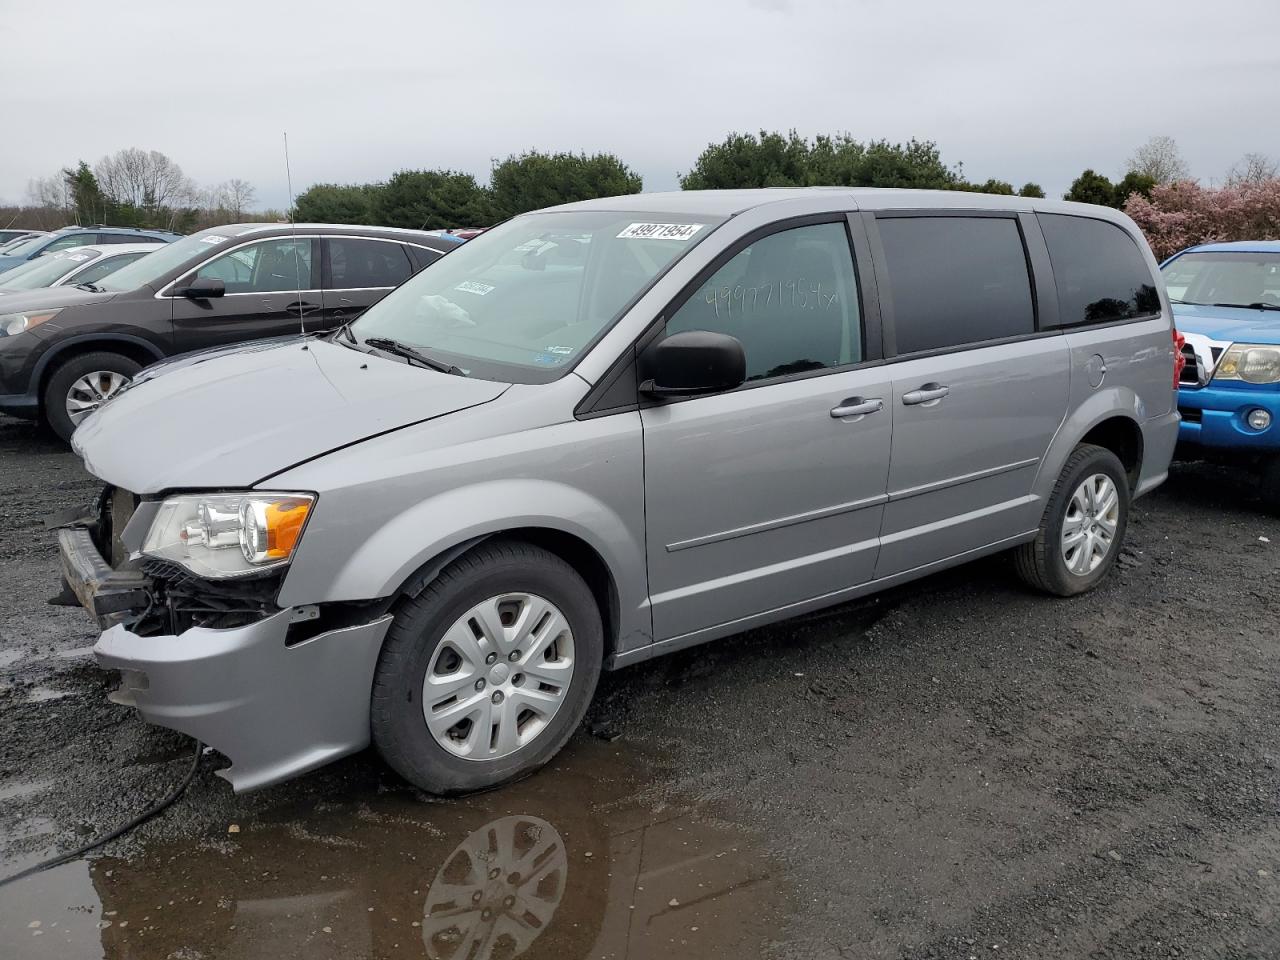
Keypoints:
pixel 1099 271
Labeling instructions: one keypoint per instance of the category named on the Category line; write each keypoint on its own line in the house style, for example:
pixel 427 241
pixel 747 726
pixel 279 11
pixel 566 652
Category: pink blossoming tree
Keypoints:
pixel 1183 213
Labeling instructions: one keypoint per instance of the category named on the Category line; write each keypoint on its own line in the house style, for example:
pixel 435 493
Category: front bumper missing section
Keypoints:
pixel 277 711
pixel 106 593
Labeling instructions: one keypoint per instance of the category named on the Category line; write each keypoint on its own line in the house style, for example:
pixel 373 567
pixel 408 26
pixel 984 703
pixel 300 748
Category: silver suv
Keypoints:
pixel 604 432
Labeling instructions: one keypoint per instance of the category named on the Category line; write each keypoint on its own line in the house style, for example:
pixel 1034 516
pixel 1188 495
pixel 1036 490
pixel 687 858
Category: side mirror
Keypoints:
pixel 694 362
pixel 202 288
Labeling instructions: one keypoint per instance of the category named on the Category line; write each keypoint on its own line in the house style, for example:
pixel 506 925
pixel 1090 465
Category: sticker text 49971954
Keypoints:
pixel 660 231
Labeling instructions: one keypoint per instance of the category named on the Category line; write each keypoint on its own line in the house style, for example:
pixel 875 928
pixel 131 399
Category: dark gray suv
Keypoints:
pixel 64 351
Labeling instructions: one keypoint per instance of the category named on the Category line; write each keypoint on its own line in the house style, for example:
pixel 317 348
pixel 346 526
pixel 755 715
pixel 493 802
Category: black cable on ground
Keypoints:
pixel 118 831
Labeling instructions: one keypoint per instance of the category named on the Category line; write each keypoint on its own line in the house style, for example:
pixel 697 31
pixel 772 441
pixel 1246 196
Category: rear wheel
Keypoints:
pixel 1083 525
pixel 83 384
pixel 485 675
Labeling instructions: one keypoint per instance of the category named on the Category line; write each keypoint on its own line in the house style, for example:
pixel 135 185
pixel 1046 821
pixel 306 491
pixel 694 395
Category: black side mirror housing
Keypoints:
pixel 202 288
pixel 694 362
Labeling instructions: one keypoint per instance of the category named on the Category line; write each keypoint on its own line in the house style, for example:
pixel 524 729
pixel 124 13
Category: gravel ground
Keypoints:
pixel 958 768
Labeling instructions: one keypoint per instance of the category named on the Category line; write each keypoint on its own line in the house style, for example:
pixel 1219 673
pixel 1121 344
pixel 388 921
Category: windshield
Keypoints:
pixel 44 271
pixel 1224 279
pixel 153 266
pixel 522 301
pixel 27 247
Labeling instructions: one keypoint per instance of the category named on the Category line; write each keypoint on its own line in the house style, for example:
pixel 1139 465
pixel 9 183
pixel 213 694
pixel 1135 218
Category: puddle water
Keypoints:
pixel 568 864
pixel 23 788
pixel 41 694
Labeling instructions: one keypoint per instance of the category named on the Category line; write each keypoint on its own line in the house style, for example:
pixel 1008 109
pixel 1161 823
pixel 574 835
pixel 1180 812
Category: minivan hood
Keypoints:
pixel 1228 323
pixel 233 418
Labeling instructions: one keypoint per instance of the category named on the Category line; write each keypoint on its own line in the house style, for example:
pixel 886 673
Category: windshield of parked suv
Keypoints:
pixel 154 266
pixel 43 271
pixel 1224 279
pixel 27 247
pixel 522 301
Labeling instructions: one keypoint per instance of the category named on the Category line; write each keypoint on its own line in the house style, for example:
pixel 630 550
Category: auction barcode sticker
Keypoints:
pixel 472 286
pixel 660 231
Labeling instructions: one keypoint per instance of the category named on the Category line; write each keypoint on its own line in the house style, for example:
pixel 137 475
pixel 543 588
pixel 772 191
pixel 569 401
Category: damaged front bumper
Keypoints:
pixel 277 703
pixel 275 710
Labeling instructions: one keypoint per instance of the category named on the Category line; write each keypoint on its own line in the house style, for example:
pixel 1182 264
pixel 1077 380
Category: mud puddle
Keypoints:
pixel 587 859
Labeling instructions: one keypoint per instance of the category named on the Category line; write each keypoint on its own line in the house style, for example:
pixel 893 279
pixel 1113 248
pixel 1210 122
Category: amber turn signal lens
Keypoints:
pixel 285 519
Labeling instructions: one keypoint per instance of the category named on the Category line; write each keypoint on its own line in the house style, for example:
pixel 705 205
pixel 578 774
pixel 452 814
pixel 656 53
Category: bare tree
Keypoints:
pixel 237 196
pixel 146 179
pixel 1252 168
pixel 1159 159
pixel 52 193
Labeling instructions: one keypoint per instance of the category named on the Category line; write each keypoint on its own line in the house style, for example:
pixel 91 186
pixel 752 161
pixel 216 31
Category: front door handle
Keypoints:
pixel 926 394
pixel 856 407
pixel 304 309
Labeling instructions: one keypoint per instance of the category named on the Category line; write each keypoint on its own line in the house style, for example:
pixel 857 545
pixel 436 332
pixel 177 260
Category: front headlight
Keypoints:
pixel 12 324
pixel 220 535
pixel 1250 362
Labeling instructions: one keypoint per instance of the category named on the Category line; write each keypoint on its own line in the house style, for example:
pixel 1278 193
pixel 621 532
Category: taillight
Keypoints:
pixel 1179 361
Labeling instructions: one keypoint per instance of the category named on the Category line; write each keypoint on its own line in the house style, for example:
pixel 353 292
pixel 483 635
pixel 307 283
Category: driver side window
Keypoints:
pixel 791 298
pixel 279 265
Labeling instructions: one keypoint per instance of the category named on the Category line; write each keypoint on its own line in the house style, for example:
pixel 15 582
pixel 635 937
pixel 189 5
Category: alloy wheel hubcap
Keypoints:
pixel 1089 529
pixel 498 676
pixel 91 391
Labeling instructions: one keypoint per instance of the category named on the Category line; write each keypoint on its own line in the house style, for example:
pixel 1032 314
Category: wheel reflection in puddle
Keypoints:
pixel 496 892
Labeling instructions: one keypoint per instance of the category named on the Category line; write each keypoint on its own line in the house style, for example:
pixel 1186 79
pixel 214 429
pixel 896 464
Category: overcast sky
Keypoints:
pixel 1016 89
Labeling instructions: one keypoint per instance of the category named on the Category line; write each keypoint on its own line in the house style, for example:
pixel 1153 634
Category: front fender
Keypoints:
pixel 388 556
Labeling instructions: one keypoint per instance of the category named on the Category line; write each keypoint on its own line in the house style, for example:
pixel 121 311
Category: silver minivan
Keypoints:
pixel 603 432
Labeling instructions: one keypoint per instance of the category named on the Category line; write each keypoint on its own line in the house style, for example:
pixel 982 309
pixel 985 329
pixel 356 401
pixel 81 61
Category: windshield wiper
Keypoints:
pixel 409 353
pixel 1256 305
pixel 345 328
pixel 91 287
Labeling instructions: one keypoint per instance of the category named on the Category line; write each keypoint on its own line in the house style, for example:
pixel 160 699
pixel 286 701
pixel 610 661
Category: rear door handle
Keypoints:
pixel 304 309
pixel 926 394
pixel 856 407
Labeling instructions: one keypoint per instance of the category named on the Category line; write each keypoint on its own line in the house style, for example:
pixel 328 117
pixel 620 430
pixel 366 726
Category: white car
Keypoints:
pixel 73 266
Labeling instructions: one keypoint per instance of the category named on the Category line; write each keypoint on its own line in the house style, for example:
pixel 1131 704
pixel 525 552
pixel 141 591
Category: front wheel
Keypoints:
pixel 485 675
pixel 81 385
pixel 1083 525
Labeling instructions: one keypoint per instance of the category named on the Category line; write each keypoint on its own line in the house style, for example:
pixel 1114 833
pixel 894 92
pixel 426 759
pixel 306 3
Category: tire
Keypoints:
pixel 1269 484
pixel 1042 563
pixel 112 366
pixel 430 632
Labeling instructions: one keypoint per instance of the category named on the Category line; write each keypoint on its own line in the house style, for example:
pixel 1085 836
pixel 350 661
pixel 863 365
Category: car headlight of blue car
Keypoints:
pixel 1250 362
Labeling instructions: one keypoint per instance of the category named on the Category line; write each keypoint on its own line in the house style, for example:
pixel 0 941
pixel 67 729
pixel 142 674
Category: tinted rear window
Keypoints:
pixel 1099 270
pixel 956 280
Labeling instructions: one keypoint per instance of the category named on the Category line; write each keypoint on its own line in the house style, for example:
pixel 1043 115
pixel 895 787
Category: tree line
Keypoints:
pixel 134 188
pixel 147 189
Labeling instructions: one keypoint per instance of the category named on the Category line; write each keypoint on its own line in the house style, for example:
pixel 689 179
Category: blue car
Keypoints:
pixel 1226 303
pixel 69 237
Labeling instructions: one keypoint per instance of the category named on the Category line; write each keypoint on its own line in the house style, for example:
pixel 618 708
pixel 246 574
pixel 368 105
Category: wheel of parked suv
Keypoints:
pixel 1269 484
pixel 485 674
pixel 1083 525
pixel 83 384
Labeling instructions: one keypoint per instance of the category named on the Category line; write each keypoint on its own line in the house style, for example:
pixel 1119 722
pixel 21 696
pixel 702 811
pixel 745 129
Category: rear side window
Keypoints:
pixel 422 257
pixel 1099 270
pixel 356 263
pixel 956 280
